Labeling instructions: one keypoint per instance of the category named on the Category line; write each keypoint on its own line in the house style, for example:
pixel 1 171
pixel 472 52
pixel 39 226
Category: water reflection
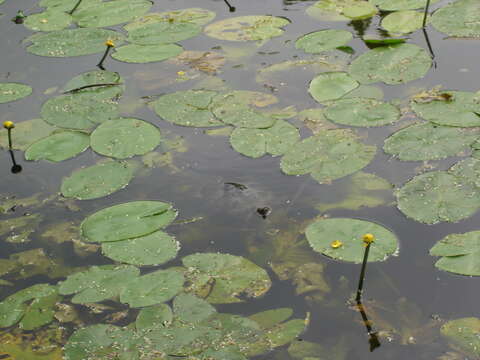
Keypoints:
pixel 230 7
pixel 16 168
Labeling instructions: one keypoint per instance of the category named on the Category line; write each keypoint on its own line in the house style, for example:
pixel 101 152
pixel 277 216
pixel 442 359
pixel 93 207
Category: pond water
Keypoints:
pixel 220 193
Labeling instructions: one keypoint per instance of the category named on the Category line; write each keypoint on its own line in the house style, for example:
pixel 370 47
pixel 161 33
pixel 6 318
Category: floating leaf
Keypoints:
pixel 162 32
pixel 153 249
pixel 197 16
pixel 134 53
pixel 459 18
pixel 48 21
pixel 98 283
pixel 463 334
pixel 403 22
pixel 97 181
pixel 229 277
pixel 125 137
pixel 323 40
pixel 395 5
pixel 438 196
pixel 350 233
pixel 59 146
pixel 329 155
pixel 187 108
pixel 153 288
pixel 427 141
pixel 191 309
pixel 460 109
pixel 393 64
pixel 208 62
pixel 246 28
pixel 154 317
pixel 127 221
pixel 255 143
pixel 360 10
pixel 13 91
pixel 26 133
pixel 84 82
pixel 460 253
pixel 468 170
pixel 331 86
pixel 362 112
pixel 269 318
pixel 65 5
pixel 72 42
pixel 332 10
pixel 110 13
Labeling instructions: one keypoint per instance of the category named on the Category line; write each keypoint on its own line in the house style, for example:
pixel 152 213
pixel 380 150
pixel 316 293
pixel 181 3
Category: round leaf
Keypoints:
pixel 395 5
pixel 163 33
pixel 127 221
pixel 134 53
pixel 197 16
pixel 330 10
pixel 26 133
pixel 318 41
pixel 460 18
pixel 468 171
pixel 124 138
pixel 48 21
pixel 59 146
pixel 154 317
pixel 13 91
pixel 97 181
pixel 350 233
pixel 89 78
pixel 464 334
pixel 403 22
pixel 359 10
pixel 331 86
pixel 245 28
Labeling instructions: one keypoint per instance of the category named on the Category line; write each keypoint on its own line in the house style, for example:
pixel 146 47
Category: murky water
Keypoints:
pixel 195 183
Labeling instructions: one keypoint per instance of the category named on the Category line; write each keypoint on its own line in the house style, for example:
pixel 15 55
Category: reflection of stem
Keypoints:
pixel 230 7
pixel 15 167
pixel 430 49
pixel 425 14
pixel 75 7
pixel 100 64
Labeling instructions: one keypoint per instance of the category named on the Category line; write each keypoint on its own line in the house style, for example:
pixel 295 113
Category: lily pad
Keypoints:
pixel 255 143
pixel 127 221
pixel 459 18
pixel 97 181
pixel 110 13
pixel 422 142
pixel 13 91
pixel 154 317
pixel 333 10
pixel 403 22
pixel 463 334
pixel 134 53
pixel 349 232
pixel 153 249
pixel 329 155
pixel 65 5
pixel 395 5
pixel 461 109
pixel 438 196
pixel 72 42
pixel 228 276
pixel 393 64
pixel 460 253
pixel 360 10
pixel 26 133
pixel 85 82
pixel 362 112
pixel 59 146
pixel 323 40
pixel 98 283
pixel 48 21
pixel 187 108
pixel 246 28
pixel 153 288
pixel 468 170
pixel 331 86
pixel 197 16
pixel 163 32
pixel 125 137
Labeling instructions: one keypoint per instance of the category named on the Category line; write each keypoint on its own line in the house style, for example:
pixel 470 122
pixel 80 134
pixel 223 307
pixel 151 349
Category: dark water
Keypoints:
pixel 230 223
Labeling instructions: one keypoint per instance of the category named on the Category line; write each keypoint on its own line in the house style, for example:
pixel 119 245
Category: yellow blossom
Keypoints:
pixel 109 43
pixel 336 244
pixel 8 125
pixel 368 239
pixel 181 73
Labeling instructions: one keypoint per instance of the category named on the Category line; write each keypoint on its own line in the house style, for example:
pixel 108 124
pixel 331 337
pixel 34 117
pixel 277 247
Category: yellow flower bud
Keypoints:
pixel 109 43
pixel 368 239
pixel 181 73
pixel 336 244
pixel 8 125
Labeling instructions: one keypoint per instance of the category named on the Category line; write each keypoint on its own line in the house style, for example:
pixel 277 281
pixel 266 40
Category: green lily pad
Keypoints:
pixel 153 288
pixel 329 155
pixel 13 91
pixel 331 86
pixel 462 109
pixel 127 221
pixel 191 309
pixel 393 65
pixel 72 42
pixel 463 334
pixel 438 196
pixel 459 18
pixel 323 40
pixel 98 283
pixel 332 10
pixel 154 317
pixel 247 28
pixel 59 146
pixel 65 5
pixel 403 22
pixel 275 140
pixel 360 10
pixel 163 32
pixel 125 137
pixel 227 275
pixel 460 253
pixel 197 16
pixel 427 141
pixel 97 181
pixel 322 233
pixel 468 170
pixel 153 249
pixel 95 77
pixel 26 133
pixel 362 112
pixel 79 110
pixel 269 318
pixel 110 13
pixel 48 21
pixel 134 53
pixel 395 5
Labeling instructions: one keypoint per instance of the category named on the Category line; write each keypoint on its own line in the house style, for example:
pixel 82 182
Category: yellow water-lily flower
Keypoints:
pixel 109 43
pixel 8 125
pixel 336 244
pixel 368 239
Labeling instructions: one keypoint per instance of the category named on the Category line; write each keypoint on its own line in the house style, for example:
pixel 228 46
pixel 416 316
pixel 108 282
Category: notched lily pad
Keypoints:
pixel 59 146
pixel 162 32
pixel 323 40
pixel 464 335
pixel 331 86
pixel 459 18
pixel 403 22
pixel 197 16
pixel 395 5
pixel 134 53
pixel 48 21
pixel 13 91
pixel 341 10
